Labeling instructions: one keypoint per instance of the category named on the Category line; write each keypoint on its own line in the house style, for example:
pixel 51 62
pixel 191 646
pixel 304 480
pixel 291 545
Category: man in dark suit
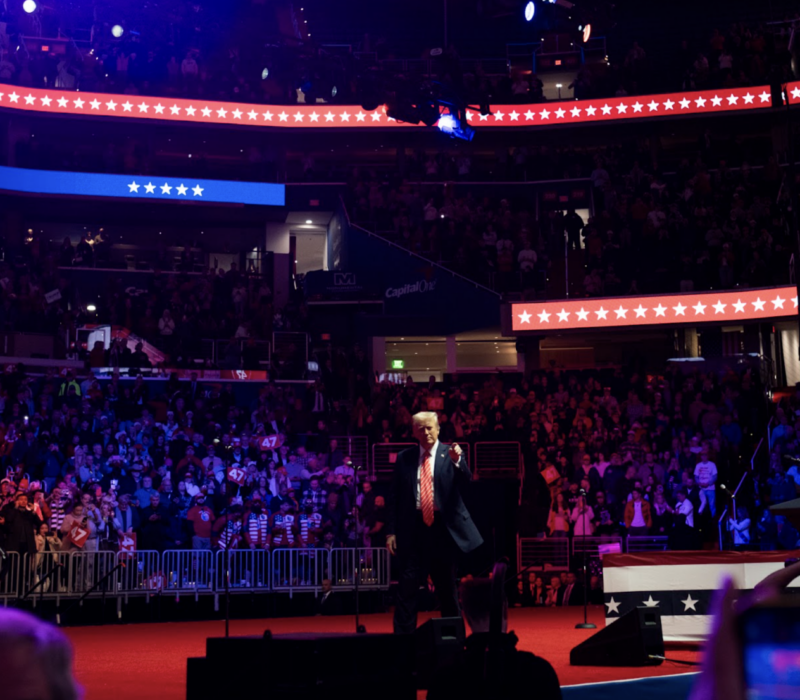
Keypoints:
pixel 573 591
pixel 329 603
pixel 427 521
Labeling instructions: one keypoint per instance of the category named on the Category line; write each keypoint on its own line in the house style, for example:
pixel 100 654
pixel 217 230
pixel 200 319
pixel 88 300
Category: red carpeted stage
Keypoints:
pixel 129 662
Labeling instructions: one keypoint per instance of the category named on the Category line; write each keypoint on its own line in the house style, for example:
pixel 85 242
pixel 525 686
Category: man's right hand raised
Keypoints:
pixel 391 544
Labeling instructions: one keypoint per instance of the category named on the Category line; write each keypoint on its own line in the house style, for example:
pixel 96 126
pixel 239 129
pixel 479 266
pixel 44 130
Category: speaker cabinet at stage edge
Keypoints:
pixel 438 643
pixel 632 640
pixel 303 666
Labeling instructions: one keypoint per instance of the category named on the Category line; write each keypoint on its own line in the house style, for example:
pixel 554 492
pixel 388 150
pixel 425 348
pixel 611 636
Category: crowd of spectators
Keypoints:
pixel 645 456
pixel 708 225
pixel 184 464
pixel 170 310
pixel 174 49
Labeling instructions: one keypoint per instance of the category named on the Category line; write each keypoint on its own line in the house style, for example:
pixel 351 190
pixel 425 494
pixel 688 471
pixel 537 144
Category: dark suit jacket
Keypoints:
pixel 332 605
pixel 575 596
pixel 17 535
pixel 448 478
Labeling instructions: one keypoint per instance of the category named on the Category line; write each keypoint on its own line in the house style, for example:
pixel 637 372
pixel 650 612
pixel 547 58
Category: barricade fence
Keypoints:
pixel 555 552
pixel 498 459
pixel 54 575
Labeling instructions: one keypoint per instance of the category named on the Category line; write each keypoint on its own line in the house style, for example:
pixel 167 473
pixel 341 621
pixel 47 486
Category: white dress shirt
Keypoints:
pixel 686 508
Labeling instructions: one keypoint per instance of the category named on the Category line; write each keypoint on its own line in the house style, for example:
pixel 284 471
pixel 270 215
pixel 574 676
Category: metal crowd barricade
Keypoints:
pixel 10 575
pixel 498 459
pixel 49 572
pixel 544 552
pixel 87 569
pixel 142 572
pixel 299 569
pixel 188 571
pixel 591 545
pixel 374 568
pixel 384 457
pixel 249 569
pixel 647 544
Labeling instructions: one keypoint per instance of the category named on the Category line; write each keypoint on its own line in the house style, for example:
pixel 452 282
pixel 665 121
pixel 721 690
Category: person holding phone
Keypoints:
pixel 754 646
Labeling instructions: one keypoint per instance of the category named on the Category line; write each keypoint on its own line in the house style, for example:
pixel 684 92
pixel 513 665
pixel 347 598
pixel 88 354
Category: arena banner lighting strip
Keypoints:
pixel 665 310
pixel 146 187
pixel 336 116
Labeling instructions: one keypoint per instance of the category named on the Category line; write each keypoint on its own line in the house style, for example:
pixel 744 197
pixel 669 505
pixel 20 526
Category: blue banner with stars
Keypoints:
pixel 174 189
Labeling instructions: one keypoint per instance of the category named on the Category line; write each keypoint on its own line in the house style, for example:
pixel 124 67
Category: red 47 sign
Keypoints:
pixel 271 442
pixel 236 474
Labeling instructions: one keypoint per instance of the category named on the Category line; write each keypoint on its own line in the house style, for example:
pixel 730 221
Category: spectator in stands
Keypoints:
pixel 555 592
pixel 201 517
pixel 638 518
pixel 18 523
pixel 582 517
pixel 155 525
pixel 739 526
pixel 573 591
pixel 559 520
pixel 705 473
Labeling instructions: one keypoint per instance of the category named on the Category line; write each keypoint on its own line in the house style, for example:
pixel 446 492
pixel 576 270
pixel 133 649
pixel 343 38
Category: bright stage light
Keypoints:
pixel 587 33
pixel 117 31
pixel 447 123
pixel 29 6
pixel 452 126
pixel 530 11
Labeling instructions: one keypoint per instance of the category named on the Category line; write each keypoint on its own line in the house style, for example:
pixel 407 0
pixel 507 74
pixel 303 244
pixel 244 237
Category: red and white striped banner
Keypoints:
pixel 664 310
pixel 335 116
pixel 681 585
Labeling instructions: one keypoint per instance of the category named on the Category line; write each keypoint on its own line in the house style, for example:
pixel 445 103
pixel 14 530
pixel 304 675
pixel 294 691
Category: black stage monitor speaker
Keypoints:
pixel 304 667
pixel 632 640
pixel 438 643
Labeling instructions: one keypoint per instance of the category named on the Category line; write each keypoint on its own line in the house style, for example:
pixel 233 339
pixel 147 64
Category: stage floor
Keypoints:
pixel 134 661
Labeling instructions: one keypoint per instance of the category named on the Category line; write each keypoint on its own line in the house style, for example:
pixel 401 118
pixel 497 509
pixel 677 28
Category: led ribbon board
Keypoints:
pixel 663 310
pixel 141 187
pixel 335 116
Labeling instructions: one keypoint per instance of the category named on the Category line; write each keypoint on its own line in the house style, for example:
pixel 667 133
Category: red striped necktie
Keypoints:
pixel 426 490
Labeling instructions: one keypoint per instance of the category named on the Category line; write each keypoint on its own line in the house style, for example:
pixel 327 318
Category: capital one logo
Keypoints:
pixel 344 279
pixel 241 374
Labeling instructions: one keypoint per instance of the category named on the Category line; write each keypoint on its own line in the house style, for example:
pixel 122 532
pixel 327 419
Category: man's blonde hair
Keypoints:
pixel 425 417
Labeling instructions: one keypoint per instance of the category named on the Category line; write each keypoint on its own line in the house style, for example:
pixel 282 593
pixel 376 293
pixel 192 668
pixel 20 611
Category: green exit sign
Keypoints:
pixel 398 364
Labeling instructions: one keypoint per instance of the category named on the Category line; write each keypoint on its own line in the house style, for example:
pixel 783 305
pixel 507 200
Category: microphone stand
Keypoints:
pixel 121 565
pixel 360 629
pixel 228 591
pixel 585 625
pixel 41 581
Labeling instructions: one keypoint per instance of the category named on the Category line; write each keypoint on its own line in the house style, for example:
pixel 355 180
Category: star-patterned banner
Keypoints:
pixel 794 92
pixel 144 187
pixel 353 117
pixel 680 585
pixel 666 310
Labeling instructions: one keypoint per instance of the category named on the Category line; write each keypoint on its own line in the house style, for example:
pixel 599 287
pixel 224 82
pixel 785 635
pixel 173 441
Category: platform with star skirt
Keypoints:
pixel 681 585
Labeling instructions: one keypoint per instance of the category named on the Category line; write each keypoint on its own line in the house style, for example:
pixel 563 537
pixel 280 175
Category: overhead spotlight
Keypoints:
pixel 530 11
pixel 117 31
pixel 456 126
pixel 587 33
pixel 91 308
pixel 29 6
pixel 265 74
